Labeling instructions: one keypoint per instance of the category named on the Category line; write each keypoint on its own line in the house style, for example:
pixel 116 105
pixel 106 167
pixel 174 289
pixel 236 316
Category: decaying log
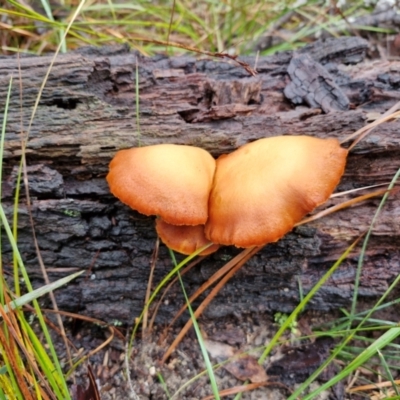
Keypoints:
pixel 87 112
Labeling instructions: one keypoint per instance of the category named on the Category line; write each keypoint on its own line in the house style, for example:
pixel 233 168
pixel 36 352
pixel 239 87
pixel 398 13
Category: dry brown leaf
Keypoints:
pixel 242 366
pixel 246 368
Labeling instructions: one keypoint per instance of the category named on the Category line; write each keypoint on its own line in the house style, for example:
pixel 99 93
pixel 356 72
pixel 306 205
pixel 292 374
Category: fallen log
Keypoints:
pixel 87 112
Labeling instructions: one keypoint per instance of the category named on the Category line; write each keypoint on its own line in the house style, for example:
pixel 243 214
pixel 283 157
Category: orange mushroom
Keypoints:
pixel 171 181
pixel 264 188
pixel 184 239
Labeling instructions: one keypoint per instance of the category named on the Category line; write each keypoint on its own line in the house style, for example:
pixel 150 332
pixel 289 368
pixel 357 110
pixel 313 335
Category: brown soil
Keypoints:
pixel 184 376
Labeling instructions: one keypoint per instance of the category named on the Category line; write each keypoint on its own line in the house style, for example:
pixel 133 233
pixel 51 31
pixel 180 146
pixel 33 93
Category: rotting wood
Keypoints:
pixel 87 112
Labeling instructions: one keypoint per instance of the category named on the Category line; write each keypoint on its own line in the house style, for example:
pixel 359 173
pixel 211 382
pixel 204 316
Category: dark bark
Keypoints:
pixel 87 112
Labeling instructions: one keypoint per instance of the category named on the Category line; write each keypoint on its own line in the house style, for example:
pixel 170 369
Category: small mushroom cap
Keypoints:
pixel 172 181
pixel 264 188
pixel 184 239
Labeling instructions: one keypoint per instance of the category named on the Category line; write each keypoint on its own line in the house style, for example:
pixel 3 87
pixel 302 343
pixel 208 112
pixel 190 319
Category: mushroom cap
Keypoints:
pixel 184 239
pixel 265 187
pixel 172 181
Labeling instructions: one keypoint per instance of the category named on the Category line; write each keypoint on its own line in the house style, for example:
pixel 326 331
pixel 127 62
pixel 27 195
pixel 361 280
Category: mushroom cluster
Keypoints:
pixel 250 197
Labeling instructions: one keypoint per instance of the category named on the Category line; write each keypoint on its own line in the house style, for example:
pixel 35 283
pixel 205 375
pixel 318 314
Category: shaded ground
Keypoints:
pixel 183 376
pixel 185 364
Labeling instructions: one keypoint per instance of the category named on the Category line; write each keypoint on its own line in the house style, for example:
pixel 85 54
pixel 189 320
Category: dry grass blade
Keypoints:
pixel 373 386
pixel 91 392
pixel 234 58
pixel 83 318
pixel 100 347
pixel 113 331
pixel 9 344
pixel 171 20
pixel 245 256
pixel 19 31
pixel 364 131
pixel 214 278
pixel 351 191
pixel 36 244
pixel 247 388
pixel 343 205
pixel 150 282
pixel 159 302
pixel 41 263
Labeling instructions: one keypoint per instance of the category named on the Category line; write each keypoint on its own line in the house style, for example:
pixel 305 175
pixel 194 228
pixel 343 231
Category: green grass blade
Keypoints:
pixel 3 135
pixel 388 372
pixel 291 318
pixel 369 352
pixel 348 336
pixel 54 378
pixel 365 244
pixel 45 331
pixel 3 131
pixel 199 336
pixel 164 385
pixel 160 286
pixel 137 103
pixel 35 294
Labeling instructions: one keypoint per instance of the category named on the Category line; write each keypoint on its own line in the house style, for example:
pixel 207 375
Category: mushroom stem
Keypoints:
pixel 184 239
